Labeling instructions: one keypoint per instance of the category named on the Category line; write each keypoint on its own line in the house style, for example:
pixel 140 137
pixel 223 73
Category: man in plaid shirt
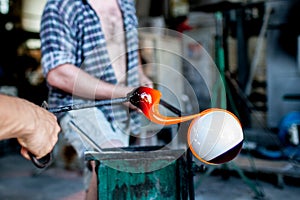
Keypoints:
pixel 90 52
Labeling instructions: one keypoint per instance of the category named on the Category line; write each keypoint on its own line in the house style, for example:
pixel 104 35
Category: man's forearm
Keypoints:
pixel 11 112
pixel 73 80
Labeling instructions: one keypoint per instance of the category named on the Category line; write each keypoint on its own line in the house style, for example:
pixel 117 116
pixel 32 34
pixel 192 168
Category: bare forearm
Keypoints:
pixel 79 83
pixel 35 128
pixel 10 112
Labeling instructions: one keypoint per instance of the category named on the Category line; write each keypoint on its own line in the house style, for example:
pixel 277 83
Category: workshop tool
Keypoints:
pixel 90 104
pixel 46 160
pixel 41 162
pixel 140 168
pixel 148 100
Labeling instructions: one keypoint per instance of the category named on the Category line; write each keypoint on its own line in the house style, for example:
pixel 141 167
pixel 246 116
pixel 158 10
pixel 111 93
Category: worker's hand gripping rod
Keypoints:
pixel 46 160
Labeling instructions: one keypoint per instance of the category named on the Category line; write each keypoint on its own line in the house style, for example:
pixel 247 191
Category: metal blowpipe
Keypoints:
pixel 88 105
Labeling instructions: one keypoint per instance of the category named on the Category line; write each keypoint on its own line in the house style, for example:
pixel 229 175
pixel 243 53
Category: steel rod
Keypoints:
pixel 88 105
pixel 170 107
pixel 85 136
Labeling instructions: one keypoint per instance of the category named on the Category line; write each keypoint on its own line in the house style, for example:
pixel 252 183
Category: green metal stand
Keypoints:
pixel 141 175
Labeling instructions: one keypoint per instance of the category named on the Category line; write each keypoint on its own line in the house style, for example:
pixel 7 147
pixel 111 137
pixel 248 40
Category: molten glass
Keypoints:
pixel 147 99
pixel 215 136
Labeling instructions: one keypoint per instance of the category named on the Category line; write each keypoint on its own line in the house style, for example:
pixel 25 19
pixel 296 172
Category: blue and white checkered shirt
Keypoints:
pixel 71 33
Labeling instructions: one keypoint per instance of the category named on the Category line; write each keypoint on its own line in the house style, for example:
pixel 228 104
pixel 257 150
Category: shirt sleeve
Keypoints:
pixel 58 41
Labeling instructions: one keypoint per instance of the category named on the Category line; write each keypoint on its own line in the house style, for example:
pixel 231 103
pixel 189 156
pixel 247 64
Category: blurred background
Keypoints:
pixel 188 47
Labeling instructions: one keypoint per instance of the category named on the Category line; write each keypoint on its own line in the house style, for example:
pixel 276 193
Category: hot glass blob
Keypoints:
pixel 215 136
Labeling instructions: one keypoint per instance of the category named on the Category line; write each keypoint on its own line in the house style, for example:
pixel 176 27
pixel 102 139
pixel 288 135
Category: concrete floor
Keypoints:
pixel 19 179
pixel 214 188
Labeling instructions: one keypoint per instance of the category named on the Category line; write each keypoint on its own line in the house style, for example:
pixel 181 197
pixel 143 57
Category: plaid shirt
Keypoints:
pixel 71 33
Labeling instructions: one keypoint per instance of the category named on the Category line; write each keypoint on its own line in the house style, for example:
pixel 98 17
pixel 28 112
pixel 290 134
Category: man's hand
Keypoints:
pixel 35 128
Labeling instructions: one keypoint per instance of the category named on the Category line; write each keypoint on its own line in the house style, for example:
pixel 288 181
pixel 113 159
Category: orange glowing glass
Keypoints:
pixel 147 99
pixel 215 136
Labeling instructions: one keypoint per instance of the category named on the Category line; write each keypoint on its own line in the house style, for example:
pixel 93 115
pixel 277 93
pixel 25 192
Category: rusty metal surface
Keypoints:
pixel 114 154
